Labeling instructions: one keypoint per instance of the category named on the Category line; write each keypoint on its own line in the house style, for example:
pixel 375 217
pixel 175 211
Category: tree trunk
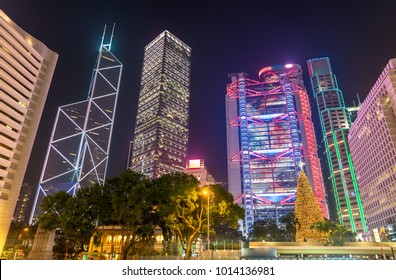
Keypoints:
pixel 131 242
pixel 188 250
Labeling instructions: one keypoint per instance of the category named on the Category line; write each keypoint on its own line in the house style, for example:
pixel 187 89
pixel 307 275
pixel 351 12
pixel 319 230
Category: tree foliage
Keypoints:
pixel 132 197
pixel 175 202
pixel 335 233
pixel 71 217
pixel 269 230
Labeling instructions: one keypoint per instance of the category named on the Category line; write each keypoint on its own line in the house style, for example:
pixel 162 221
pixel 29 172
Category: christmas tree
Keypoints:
pixel 307 212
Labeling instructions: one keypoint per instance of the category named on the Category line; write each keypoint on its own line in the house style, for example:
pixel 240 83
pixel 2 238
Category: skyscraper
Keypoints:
pixel 270 137
pixel 161 131
pixel 335 122
pixel 79 147
pixel 372 140
pixel 24 204
pixel 26 71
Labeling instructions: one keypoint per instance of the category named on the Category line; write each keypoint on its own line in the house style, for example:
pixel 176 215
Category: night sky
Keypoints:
pixel 359 37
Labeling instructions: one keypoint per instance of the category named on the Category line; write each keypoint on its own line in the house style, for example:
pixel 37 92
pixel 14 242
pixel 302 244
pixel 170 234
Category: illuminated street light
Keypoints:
pixel 207 193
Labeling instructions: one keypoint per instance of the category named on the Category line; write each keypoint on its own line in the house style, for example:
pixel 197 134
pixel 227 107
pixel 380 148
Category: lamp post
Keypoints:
pixel 207 193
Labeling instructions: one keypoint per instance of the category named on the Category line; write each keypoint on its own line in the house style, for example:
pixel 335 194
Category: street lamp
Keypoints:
pixel 207 193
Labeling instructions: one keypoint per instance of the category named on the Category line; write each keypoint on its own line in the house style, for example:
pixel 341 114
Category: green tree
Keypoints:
pixel 71 218
pixel 267 230
pixel 306 211
pixel 325 228
pixel 225 214
pixel 183 208
pixel 132 200
pixel 289 227
pixel 340 234
pixel 333 233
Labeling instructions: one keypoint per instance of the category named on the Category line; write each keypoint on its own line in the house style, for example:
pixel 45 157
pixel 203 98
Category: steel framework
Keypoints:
pixel 79 147
pixel 276 139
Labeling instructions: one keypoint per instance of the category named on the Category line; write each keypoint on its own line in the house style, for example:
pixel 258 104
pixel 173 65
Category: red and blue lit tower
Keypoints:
pixel 270 136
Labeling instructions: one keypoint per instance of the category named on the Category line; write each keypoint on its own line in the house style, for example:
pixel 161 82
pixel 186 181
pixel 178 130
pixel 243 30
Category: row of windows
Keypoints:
pixel 26 58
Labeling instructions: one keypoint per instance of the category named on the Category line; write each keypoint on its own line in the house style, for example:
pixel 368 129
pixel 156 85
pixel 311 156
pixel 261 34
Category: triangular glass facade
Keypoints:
pixel 79 147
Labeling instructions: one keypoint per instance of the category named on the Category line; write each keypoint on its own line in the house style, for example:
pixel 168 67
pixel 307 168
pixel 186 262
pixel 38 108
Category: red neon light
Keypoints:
pixel 236 157
pixel 284 201
pixel 311 151
pixel 235 122
pixel 262 199
pixel 265 69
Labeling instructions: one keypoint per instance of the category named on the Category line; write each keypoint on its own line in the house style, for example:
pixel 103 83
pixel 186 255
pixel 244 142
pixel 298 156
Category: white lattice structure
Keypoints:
pixel 79 148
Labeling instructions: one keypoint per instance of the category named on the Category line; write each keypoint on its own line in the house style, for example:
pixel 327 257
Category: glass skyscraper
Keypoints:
pixel 26 70
pixel 335 121
pixel 161 131
pixel 270 137
pixel 78 151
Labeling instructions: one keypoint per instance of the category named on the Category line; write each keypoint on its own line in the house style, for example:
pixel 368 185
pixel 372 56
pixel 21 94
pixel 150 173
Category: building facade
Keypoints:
pixel 335 121
pixel 197 168
pixel 24 204
pixel 161 130
pixel 353 112
pixel 372 140
pixel 270 137
pixel 27 68
pixel 79 147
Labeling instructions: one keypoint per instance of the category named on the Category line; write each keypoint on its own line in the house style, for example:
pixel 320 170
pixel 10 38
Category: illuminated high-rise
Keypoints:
pixel 79 147
pixel 26 70
pixel 197 168
pixel 372 141
pixel 270 137
pixel 24 204
pixel 161 131
pixel 335 121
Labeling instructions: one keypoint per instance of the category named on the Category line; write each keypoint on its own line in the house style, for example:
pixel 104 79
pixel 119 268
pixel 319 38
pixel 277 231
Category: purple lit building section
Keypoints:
pixel 270 137
pixel 372 141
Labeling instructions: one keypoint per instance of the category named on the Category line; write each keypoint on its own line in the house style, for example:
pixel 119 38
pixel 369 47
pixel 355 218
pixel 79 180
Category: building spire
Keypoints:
pixel 108 45
pixel 358 99
pixel 104 32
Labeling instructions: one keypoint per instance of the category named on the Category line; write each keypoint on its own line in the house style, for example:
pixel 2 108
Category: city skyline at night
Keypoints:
pixel 361 36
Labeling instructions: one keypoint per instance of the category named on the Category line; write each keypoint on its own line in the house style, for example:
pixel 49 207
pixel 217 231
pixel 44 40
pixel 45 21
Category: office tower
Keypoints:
pixel 24 204
pixel 26 71
pixel 197 168
pixel 372 140
pixel 270 136
pixel 79 147
pixel 335 123
pixel 161 131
